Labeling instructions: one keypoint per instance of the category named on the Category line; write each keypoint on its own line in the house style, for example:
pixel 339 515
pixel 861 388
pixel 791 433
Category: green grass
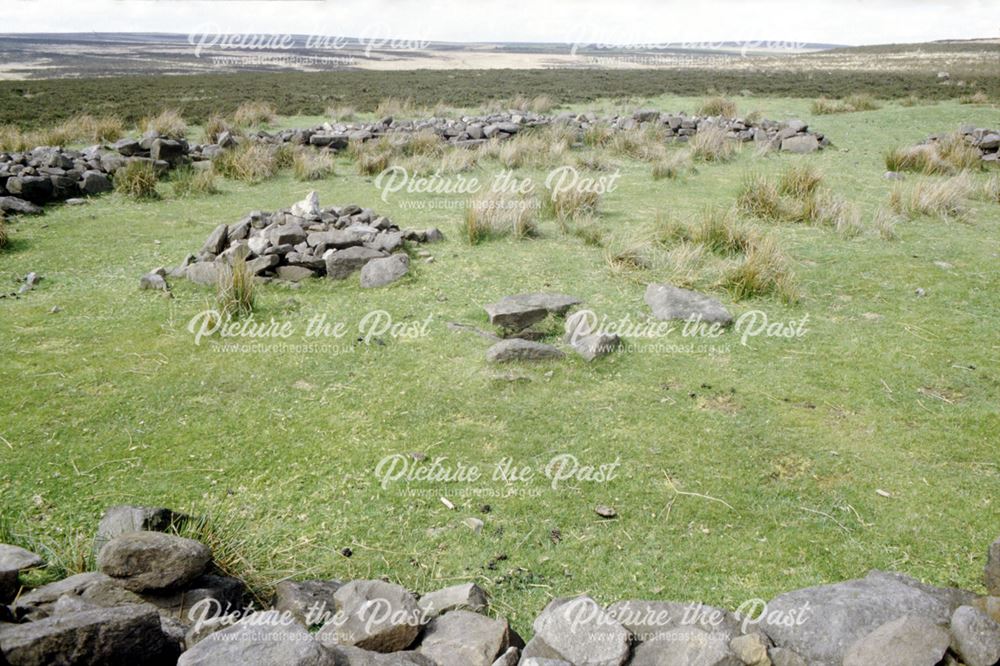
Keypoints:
pixel 110 401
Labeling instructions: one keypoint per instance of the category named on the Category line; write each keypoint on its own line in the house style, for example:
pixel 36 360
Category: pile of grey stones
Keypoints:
pixel 32 179
pixel 516 316
pixel 157 598
pixel 301 242
pixel 472 131
pixel 986 141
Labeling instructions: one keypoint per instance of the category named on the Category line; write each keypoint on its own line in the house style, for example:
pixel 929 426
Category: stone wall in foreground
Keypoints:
pixel 158 599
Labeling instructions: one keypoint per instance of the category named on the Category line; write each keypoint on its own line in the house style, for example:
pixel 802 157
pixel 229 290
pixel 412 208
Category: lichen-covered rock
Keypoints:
pixel 153 561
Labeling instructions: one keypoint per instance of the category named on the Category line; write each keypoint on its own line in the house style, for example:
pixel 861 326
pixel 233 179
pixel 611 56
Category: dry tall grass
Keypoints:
pixel 850 104
pixel 948 155
pixel 309 164
pixel 168 123
pixel 493 215
pixel 718 106
pixel 711 145
pixel 81 128
pixel 255 114
pixel 187 182
pixel 248 162
pixel 236 292
pixel 945 199
pixel 137 180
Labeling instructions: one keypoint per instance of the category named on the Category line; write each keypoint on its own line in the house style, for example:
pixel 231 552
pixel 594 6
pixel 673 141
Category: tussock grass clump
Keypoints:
pixel 371 157
pixel 137 180
pixel 188 182
pixel 424 142
pixel 254 114
pixel 672 166
pixel 248 162
pixel 977 98
pixel 81 128
pixel 598 135
pixel 457 160
pixel 850 104
pixel 647 144
pixel 884 223
pixel 4 237
pixel 711 145
pixel 492 215
pixel 762 271
pixel 168 123
pixel 799 181
pixel 826 209
pixel 718 106
pixel 945 199
pixel 991 189
pixel 948 155
pixel 531 149
pixel 760 198
pixel 395 107
pixel 570 204
pixel 310 164
pixel 236 291
pixel 214 126
pixel 343 114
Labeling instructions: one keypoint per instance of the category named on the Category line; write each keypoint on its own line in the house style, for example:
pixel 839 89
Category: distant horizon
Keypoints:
pixel 626 23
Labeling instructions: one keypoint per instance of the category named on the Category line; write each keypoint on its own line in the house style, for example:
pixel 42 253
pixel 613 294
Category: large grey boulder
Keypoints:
pixel 516 349
pixel 463 638
pixel 37 603
pixel 124 518
pixel 153 561
pixel 203 272
pixel 373 615
pixel 167 150
pixel 579 631
pixel 785 657
pixel 9 585
pixel 907 641
pixel 221 593
pixel 991 573
pixel 975 636
pixel 684 646
pixel 345 655
pixel 800 143
pixel 15 558
pixel 307 208
pixel 310 602
pixel 261 638
pixel 670 302
pixel 467 596
pixel 95 182
pixel 594 346
pixel 216 241
pixel 821 623
pixel 647 619
pixel 17 205
pixel 523 310
pixel 381 272
pixel 122 636
pixel 340 264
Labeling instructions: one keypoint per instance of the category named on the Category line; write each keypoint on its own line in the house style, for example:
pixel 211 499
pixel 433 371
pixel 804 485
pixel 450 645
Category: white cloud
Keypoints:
pixel 621 21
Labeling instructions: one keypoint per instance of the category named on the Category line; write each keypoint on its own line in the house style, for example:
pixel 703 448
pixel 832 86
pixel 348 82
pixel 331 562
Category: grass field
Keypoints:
pixel 743 473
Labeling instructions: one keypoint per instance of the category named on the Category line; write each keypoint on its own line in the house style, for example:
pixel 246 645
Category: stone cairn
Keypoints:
pixel 986 141
pixel 44 175
pixel 158 599
pixel 301 242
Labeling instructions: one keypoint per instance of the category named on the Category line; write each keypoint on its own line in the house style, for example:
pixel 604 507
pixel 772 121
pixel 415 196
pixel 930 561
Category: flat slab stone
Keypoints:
pixel 523 310
pixel 516 349
pixel 579 631
pixel 261 638
pixel 467 596
pixel 670 302
pixel 18 559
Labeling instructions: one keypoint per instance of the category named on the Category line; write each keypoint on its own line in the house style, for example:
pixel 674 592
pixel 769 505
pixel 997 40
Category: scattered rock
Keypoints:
pixel 516 349
pixel 467 596
pixel 15 558
pixel 521 311
pixel 120 636
pixel 153 281
pixel 606 512
pixel 153 561
pixel 375 616
pixel 803 143
pixel 261 638
pixel 752 649
pixel 670 302
pixel 594 346
pixel 579 631
pixel 463 638
pixel 841 614
pixel 907 641
pixel 976 636
pixel 380 272
pixel 310 602
pixel 687 646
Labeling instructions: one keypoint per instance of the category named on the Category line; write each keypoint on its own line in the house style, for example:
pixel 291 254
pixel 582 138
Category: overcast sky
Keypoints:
pixel 574 21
